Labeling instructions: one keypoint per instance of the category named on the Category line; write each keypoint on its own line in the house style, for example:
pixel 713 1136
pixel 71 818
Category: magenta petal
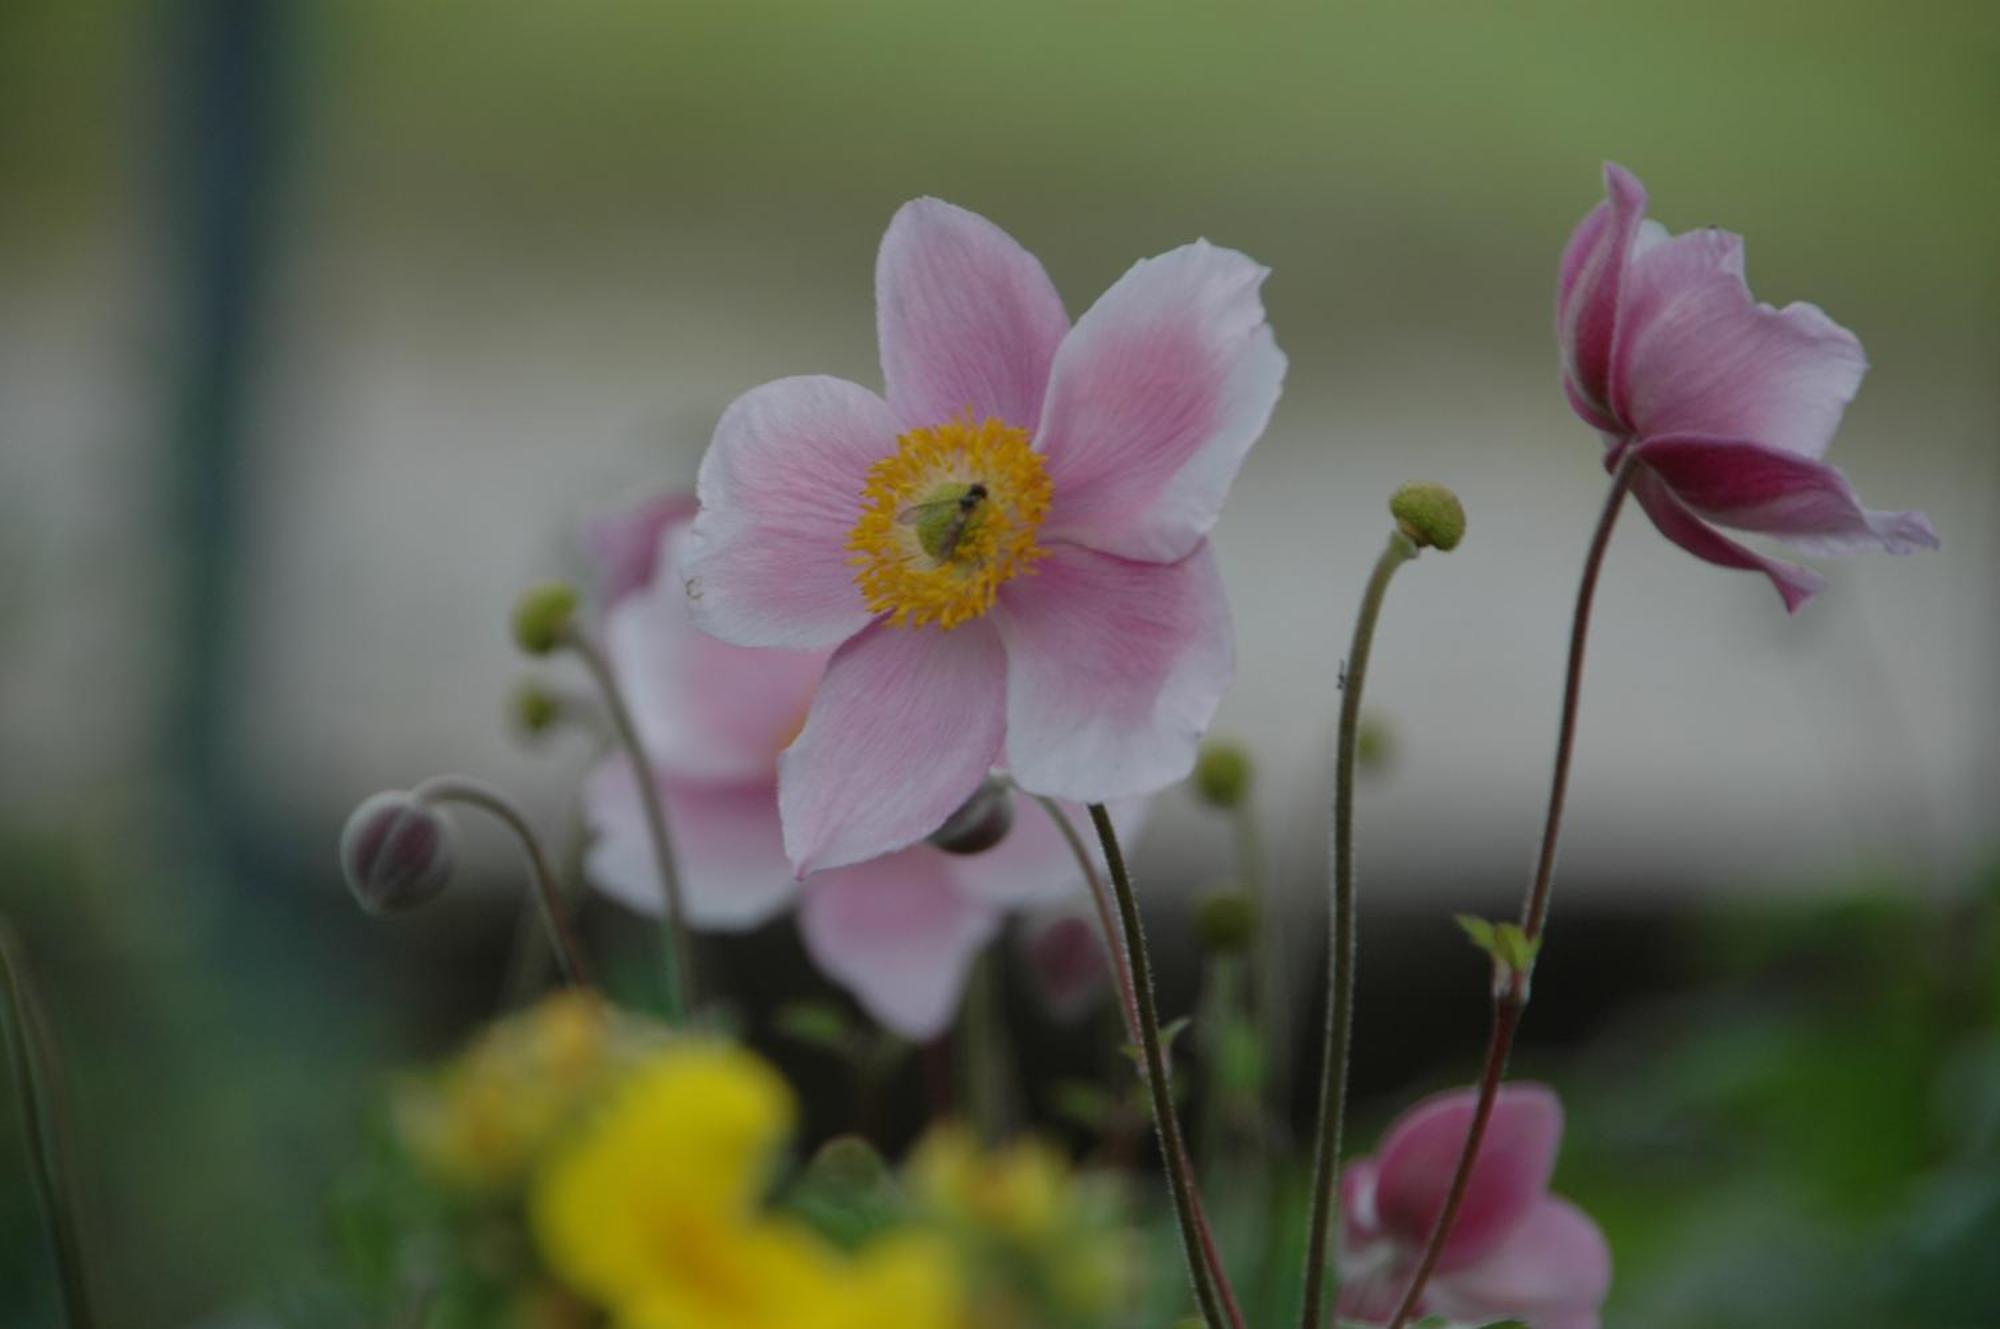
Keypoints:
pixel 1803 502
pixel 967 319
pixel 1696 354
pixel 623 546
pixel 1678 523
pixel 898 935
pixel 1034 863
pixel 702 707
pixel 1155 398
pixel 905 725
pixel 1421 1151
pixel 1114 669
pixel 779 490
pixel 1593 270
pixel 726 846
pixel 1553 1271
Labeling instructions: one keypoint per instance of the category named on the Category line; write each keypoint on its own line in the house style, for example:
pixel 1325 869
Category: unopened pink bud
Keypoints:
pixel 396 852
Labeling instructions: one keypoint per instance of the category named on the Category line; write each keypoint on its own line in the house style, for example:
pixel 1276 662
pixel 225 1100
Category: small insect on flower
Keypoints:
pixel 943 521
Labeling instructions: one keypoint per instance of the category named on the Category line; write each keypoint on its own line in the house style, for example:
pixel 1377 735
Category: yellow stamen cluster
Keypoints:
pixel 947 520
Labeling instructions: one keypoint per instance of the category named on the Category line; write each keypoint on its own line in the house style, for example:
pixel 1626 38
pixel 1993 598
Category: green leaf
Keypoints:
pixel 1511 948
pixel 816 1024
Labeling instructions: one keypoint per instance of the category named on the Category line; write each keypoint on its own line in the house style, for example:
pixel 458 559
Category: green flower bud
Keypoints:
pixel 981 822
pixel 536 708
pixel 543 615
pixel 396 853
pixel 1226 921
pixel 1430 515
pixel 1374 744
pixel 1222 774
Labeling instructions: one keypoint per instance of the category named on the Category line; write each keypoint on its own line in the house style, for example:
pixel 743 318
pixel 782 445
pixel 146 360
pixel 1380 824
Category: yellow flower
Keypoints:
pixel 485 1120
pixel 656 1213
pixel 1016 1191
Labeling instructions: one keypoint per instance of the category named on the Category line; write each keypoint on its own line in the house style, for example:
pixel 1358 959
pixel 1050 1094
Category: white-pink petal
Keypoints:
pixel 1420 1154
pixel 1035 864
pixel 898 935
pixel 1795 585
pixel 725 841
pixel 905 725
pixel 1154 400
pixel 1697 354
pixel 1553 1270
pixel 1587 292
pixel 780 492
pixel 967 319
pixel 1114 670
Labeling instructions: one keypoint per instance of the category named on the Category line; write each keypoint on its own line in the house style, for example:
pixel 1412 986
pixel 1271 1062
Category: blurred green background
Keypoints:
pixel 321 325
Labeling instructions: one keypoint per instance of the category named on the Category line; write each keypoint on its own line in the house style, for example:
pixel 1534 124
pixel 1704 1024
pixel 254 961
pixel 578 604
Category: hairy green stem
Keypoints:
pixel 1341 947
pixel 1510 996
pixel 43 1118
pixel 1211 1280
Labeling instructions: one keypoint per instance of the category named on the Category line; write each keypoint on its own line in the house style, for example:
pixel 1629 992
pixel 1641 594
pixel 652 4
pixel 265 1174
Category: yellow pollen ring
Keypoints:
pixel 947 520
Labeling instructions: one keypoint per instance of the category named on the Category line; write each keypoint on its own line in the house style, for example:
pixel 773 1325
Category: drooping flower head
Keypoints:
pixel 1728 404
pixel 1515 1252
pixel 900 931
pixel 1008 555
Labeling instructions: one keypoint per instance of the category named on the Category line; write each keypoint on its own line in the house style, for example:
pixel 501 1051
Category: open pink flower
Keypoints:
pixel 900 931
pixel 1010 552
pixel 1729 404
pixel 1516 1250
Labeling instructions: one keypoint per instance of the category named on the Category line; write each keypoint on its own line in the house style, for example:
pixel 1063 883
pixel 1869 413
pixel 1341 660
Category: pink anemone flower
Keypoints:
pixel 1727 404
pixel 899 932
pixel 1009 554
pixel 1515 1252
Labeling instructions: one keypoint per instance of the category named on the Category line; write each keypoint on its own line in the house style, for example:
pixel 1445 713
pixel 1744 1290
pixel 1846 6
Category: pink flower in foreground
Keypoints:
pixel 1729 404
pixel 1010 552
pixel 899 932
pixel 1516 1250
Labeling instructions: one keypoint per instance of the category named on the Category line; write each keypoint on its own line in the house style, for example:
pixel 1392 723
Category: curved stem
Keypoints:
pixel 680 943
pixel 1211 1280
pixel 1510 996
pixel 1341 946
pixel 42 1114
pixel 1100 896
pixel 477 794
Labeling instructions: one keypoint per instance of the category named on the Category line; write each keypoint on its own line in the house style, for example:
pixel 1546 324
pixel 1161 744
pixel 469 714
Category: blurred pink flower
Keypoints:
pixel 1010 552
pixel 1729 404
pixel 899 932
pixel 1516 1250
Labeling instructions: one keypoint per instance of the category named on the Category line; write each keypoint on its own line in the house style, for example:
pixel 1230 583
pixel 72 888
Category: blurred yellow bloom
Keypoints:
pixel 485 1119
pixel 1015 1190
pixel 656 1213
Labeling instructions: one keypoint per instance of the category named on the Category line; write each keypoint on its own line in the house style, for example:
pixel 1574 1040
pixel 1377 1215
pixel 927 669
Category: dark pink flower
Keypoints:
pixel 1516 1250
pixel 899 931
pixel 1009 548
pixel 1728 404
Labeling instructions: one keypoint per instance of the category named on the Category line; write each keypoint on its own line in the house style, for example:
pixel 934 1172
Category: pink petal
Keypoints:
pixel 1360 1224
pixel 1062 953
pixel 905 725
pixel 703 707
pixel 623 546
pixel 1593 270
pixel 1114 669
pixel 780 491
pixel 1420 1153
pixel 1803 502
pixel 1678 523
pixel 1696 354
pixel 1155 398
pixel 1034 863
pixel 725 839
pixel 1553 1271
pixel 898 935
pixel 967 319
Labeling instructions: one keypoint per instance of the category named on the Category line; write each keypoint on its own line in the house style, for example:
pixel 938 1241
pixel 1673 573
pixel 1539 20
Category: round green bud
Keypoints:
pixel 536 708
pixel 1430 515
pixel 1222 773
pixel 396 852
pixel 1226 921
pixel 1374 744
pixel 981 822
pixel 543 615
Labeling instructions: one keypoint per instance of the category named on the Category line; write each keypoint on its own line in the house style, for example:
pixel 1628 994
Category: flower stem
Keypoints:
pixel 1341 946
pixel 1211 1280
pixel 1107 919
pixel 1510 994
pixel 555 914
pixel 42 1113
pixel 680 942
